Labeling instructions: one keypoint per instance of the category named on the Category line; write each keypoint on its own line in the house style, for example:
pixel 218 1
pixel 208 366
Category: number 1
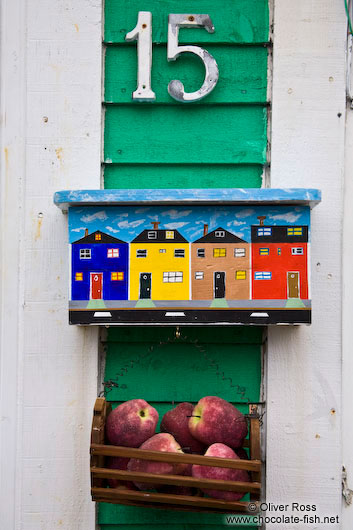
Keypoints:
pixel 142 32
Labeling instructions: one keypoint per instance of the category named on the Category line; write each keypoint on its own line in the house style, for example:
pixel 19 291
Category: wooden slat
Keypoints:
pixel 255 452
pixel 240 22
pixel 158 134
pixel 111 494
pixel 160 456
pixel 243 77
pixel 182 176
pixel 177 480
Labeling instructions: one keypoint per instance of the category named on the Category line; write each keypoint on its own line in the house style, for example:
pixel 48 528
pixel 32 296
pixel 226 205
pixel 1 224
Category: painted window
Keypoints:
pixel 264 251
pixel 172 277
pixel 219 233
pixel 263 275
pixel 169 234
pixel 297 251
pixel 152 234
pixel 162 250
pixel 200 252
pixel 239 252
pixel 179 253
pixel 295 231
pixel 219 252
pixel 85 253
pixel 279 251
pixel 79 276
pixel 113 253
pixel 98 237
pixel 141 253
pixel 240 275
pixel 264 231
pixel 199 275
pixel 117 276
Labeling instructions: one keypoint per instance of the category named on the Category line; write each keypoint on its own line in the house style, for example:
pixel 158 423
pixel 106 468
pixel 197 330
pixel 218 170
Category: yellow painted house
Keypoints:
pixel 159 265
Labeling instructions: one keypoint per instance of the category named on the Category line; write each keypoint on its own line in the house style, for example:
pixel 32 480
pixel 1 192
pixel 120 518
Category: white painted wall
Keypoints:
pixel 304 363
pixel 51 67
pixel 50 140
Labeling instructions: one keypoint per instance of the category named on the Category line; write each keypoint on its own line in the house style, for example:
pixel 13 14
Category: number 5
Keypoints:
pixel 176 87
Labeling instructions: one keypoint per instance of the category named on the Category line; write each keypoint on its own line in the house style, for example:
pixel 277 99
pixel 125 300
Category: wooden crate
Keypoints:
pixel 99 473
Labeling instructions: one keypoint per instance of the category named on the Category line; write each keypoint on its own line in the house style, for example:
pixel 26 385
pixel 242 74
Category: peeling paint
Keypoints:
pixel 77 28
pixel 59 154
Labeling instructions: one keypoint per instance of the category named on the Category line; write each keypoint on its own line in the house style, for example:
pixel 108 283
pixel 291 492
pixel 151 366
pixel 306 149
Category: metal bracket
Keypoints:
pixel 346 491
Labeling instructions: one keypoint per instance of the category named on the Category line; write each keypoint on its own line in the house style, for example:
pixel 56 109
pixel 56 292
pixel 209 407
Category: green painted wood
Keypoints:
pixel 182 176
pixel 160 522
pixel 207 335
pixel 181 372
pixel 237 21
pixel 185 134
pixel 218 142
pixel 243 74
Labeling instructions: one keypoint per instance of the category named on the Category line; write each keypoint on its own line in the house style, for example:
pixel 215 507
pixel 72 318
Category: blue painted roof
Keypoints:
pixel 66 198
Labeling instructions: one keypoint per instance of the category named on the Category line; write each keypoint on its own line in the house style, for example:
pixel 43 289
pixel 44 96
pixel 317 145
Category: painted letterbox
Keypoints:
pixel 226 256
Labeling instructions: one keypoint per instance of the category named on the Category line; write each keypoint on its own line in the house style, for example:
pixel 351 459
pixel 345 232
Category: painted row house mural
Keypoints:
pixel 161 264
pixel 99 267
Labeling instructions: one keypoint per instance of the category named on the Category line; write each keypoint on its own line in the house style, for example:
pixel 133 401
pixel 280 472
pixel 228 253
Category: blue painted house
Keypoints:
pixel 99 267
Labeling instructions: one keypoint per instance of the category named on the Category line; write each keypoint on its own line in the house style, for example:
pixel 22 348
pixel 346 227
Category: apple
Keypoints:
pixel 131 423
pixel 119 462
pixel 221 473
pixel 159 442
pixel 180 490
pixel 214 420
pixel 176 422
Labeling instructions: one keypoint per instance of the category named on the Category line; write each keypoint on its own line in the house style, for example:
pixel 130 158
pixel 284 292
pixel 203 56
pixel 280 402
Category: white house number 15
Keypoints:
pixel 143 34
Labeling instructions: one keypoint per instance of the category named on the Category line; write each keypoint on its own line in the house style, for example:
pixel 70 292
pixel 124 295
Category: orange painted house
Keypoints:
pixel 220 266
pixel 279 261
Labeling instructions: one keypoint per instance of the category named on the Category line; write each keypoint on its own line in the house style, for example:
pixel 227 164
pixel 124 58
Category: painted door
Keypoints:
pixel 145 284
pixel 96 285
pixel 293 284
pixel 219 284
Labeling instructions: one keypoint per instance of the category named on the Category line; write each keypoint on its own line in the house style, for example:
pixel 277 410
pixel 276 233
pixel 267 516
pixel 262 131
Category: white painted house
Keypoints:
pixel 50 135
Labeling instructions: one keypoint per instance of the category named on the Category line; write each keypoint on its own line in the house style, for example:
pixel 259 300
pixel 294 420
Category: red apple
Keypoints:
pixel 214 420
pixel 221 473
pixel 119 462
pixel 131 423
pixel 176 422
pixel 180 490
pixel 159 442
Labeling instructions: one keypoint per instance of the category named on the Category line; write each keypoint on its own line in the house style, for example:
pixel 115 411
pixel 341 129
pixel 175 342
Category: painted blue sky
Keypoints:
pixel 126 222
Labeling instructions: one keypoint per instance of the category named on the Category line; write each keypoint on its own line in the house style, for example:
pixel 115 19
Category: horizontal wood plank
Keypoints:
pixel 114 494
pixel 176 480
pixel 244 21
pixel 185 134
pixel 183 176
pixel 179 458
pixel 242 79
pixel 214 335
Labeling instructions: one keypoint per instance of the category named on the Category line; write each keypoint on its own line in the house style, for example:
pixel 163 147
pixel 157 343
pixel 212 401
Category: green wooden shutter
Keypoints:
pixel 218 142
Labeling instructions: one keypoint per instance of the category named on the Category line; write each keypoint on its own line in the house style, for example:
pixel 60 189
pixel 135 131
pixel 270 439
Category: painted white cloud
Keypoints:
pixel 81 229
pixel 142 210
pixel 132 224
pixel 289 217
pixel 111 229
pixel 102 216
pixel 236 223
pixel 245 213
pixel 176 214
pixel 174 226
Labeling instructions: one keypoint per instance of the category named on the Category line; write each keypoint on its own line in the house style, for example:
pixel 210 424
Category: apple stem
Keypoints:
pixel 193 416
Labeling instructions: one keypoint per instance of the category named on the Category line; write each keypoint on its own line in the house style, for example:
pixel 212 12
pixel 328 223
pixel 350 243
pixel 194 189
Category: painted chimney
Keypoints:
pixel 86 232
pixel 205 230
pixel 155 225
pixel 261 218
